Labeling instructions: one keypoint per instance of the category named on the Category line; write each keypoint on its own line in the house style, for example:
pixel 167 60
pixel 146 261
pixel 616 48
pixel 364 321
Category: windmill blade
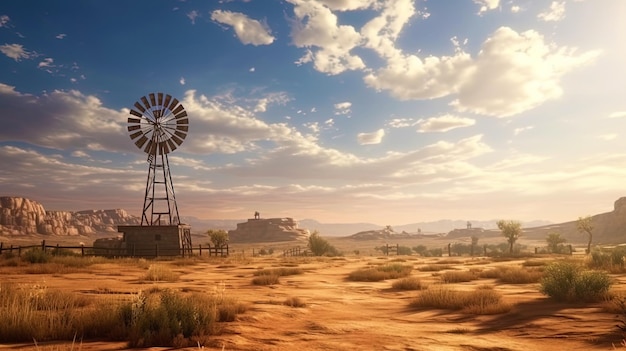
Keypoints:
pixel 183 128
pixel 181 115
pixel 135 134
pixel 152 99
pixel 182 121
pixel 173 104
pixel 178 109
pixel 134 127
pixel 139 107
pixel 135 113
pixel 163 148
pixel 176 139
pixel 166 103
pixel 149 148
pixel 171 144
pixel 181 135
pixel 160 99
pixel 141 141
pixel 134 120
pixel 145 102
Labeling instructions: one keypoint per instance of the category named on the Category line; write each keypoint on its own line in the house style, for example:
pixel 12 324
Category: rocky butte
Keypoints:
pixel 267 230
pixel 20 216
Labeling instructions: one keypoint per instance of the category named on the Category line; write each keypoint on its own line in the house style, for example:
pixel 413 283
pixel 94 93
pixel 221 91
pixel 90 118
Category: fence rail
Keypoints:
pixel 120 251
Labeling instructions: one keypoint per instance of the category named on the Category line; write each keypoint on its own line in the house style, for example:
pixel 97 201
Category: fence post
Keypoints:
pixel 0 248
pixel 536 250
pixel 43 245
pixel 449 250
pixel 200 251
pixel 571 252
pixel 19 251
pixel 82 250
pixel 56 253
pixel 227 250
pixel 397 249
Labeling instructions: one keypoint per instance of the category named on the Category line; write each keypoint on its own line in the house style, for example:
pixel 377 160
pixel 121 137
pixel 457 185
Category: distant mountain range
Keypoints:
pixel 346 229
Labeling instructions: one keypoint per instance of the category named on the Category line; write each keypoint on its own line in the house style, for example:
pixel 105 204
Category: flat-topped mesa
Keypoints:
pixel 268 230
pixel 19 215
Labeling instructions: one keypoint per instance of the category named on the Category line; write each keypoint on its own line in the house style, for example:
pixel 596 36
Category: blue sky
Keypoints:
pixel 382 111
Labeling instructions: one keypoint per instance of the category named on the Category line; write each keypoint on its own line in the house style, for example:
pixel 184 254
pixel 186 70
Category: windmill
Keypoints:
pixel 158 125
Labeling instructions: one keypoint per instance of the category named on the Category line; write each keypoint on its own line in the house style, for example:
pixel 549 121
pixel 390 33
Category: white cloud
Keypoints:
pixel 46 63
pixel 252 69
pixel 516 9
pixel 328 44
pixel 348 5
pixel 519 130
pixel 444 123
pixel 617 114
pixel 343 108
pixel 4 21
pixel 371 138
pixel 16 51
pixel 249 31
pixel 487 5
pixel 193 15
pixel 382 32
pixel 555 13
pixel 401 122
pixel 182 81
pixel 515 72
pixel 61 36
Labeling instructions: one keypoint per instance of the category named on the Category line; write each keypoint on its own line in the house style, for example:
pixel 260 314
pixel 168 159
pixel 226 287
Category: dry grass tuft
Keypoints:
pixel 160 273
pixel 513 275
pixel 388 271
pixel 458 276
pixel 294 301
pixel 483 300
pixel 408 283
pixel 433 267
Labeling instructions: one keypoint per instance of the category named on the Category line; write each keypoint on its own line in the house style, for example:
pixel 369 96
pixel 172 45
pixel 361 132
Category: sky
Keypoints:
pixel 381 111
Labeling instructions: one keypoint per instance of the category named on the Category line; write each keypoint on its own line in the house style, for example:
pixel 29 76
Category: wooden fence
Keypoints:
pixel 118 252
pixel 296 251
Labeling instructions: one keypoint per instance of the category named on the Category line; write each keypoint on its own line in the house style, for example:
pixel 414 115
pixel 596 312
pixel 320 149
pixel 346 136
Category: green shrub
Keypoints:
pixel 320 246
pixel 567 281
pixel 36 256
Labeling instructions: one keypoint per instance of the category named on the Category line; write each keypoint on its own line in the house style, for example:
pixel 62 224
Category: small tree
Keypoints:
pixel 511 230
pixel 474 243
pixel 320 247
pixel 584 225
pixel 218 237
pixel 554 241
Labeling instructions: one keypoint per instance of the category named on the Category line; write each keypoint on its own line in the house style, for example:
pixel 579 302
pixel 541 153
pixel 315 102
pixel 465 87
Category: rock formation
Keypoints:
pixel 267 230
pixel 24 216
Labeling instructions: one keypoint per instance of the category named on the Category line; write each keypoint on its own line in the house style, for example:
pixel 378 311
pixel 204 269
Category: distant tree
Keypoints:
pixel 584 225
pixel 474 243
pixel 511 230
pixel 420 249
pixel 388 229
pixel 554 241
pixel 219 237
pixel 320 246
pixel 404 250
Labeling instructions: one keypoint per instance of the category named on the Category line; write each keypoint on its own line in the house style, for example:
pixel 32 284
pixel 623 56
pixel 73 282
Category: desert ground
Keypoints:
pixel 339 314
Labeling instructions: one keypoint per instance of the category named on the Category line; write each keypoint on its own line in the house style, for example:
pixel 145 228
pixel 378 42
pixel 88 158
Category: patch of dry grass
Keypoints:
pixel 483 300
pixel 294 301
pixel 513 274
pixel 383 272
pixel 433 267
pixel 408 283
pixel 160 273
pixel 457 276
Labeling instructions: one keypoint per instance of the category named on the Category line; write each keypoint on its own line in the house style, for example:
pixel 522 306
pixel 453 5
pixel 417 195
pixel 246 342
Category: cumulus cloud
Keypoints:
pixel 61 36
pixel 487 5
pixel 554 13
pixel 249 31
pixel 444 123
pixel 182 81
pixel 46 63
pixel 371 138
pixel 328 44
pixel 348 5
pixel 16 51
pixel 4 21
pixel 343 108
pixel 512 73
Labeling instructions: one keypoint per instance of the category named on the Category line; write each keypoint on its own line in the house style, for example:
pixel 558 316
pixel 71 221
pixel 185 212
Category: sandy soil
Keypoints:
pixel 346 315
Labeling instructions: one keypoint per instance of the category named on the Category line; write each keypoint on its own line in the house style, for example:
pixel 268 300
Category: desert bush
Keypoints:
pixel 482 300
pixel 294 301
pixel 513 275
pixel 408 283
pixel 534 263
pixel 320 246
pixel 281 272
pixel 566 281
pixel 433 267
pixel 457 276
pixel 383 272
pixel 266 279
pixel 160 273
pixel 404 250
pixel 36 255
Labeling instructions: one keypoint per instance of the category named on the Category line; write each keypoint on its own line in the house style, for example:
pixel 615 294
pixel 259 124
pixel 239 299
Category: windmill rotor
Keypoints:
pixel 159 124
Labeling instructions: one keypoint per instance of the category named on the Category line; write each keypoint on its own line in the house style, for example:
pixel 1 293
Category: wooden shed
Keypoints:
pixel 155 241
